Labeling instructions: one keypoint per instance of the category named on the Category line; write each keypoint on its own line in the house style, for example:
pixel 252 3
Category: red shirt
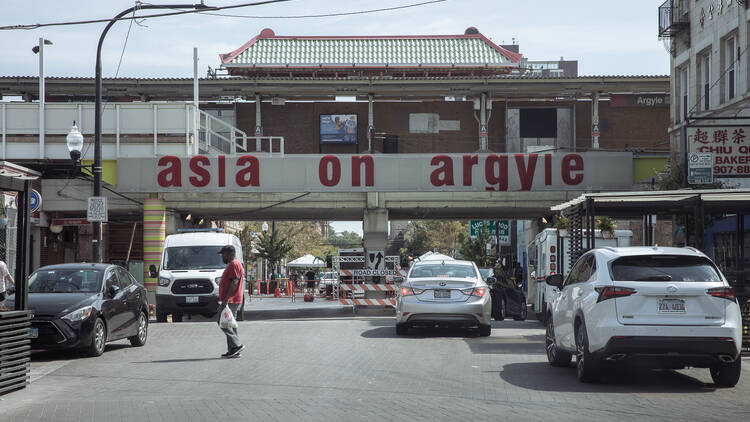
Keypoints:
pixel 233 270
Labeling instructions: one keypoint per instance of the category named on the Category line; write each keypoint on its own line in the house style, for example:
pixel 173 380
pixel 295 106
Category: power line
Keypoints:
pixel 127 36
pixel 728 68
pixel 328 15
pixel 156 15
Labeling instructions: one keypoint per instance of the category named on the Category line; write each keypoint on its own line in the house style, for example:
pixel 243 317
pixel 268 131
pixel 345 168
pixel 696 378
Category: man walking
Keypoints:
pixel 4 276
pixel 230 293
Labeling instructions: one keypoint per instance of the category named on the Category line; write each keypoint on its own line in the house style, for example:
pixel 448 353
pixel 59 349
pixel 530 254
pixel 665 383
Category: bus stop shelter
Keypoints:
pixel 14 324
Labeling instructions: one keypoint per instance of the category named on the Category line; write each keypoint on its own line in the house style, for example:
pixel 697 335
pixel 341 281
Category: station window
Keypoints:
pixel 682 93
pixel 704 80
pixel 538 122
pixel 730 72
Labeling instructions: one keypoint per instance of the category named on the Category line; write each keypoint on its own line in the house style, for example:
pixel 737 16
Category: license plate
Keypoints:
pixel 191 299
pixel 671 306
pixel 33 332
pixel 442 294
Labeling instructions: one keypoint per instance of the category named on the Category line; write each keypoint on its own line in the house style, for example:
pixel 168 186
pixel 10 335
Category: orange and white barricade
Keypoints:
pixel 357 294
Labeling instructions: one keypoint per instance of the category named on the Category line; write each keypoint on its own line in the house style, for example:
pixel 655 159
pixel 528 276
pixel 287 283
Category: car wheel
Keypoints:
pixel 485 330
pixel 727 375
pixel 402 329
pixel 555 356
pixel 139 339
pixel 98 339
pixel 176 317
pixel 500 310
pixel 587 368
pixel 161 317
pixel 523 314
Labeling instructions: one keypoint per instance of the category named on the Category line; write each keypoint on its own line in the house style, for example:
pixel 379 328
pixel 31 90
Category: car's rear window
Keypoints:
pixel 663 268
pixel 443 270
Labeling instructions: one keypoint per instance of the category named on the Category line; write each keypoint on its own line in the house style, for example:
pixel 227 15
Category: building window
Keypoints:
pixel 704 87
pixel 730 46
pixel 682 93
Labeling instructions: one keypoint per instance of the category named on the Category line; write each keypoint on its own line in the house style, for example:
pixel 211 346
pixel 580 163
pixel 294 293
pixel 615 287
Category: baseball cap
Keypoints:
pixel 227 248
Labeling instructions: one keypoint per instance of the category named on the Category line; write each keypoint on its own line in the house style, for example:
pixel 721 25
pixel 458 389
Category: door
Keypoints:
pixel 131 296
pixel 569 295
pixel 114 307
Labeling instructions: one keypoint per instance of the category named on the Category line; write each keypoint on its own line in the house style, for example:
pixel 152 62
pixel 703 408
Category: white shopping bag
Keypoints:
pixel 227 319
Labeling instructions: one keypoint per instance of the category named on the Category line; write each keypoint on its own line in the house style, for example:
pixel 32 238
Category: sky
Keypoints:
pixel 606 37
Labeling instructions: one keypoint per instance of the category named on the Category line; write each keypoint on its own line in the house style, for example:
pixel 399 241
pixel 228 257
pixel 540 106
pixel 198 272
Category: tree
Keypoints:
pixel 674 177
pixel 417 242
pixel 344 240
pixel 435 235
pixel 476 249
pixel 272 247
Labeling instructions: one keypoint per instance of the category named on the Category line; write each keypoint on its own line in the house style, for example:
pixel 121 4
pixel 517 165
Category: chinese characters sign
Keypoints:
pixel 729 145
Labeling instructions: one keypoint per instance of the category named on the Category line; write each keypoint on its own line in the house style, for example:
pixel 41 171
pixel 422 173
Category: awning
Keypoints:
pixel 307 261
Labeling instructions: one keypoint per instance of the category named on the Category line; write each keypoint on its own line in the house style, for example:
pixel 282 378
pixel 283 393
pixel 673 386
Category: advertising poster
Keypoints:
pixel 338 128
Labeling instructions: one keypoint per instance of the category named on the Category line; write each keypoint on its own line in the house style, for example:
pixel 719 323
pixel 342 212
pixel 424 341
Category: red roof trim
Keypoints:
pixel 513 57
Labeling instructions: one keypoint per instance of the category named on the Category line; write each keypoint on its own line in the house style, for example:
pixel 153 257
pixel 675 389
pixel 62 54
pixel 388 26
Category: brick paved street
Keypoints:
pixel 345 368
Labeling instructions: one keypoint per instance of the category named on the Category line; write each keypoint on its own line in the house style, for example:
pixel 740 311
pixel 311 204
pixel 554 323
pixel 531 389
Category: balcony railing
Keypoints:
pixel 673 18
pixel 128 130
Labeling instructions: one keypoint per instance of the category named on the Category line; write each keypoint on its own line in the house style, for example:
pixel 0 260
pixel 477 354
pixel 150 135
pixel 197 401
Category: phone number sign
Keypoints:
pixel 730 146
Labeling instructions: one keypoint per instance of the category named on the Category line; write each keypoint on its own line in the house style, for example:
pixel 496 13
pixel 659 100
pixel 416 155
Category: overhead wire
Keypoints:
pixel 328 15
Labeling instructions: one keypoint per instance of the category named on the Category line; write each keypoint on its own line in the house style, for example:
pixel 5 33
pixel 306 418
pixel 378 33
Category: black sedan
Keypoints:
pixel 84 306
pixel 508 299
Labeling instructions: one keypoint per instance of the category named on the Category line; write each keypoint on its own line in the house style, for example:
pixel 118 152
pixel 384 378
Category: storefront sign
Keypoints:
pixel 639 100
pixel 70 222
pixel 729 145
pixel 378 173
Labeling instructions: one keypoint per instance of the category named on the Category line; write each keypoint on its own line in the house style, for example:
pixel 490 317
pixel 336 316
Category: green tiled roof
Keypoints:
pixel 460 50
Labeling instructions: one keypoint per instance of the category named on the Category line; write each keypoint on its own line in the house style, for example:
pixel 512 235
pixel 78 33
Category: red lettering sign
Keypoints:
pixel 469 162
pixel 496 172
pixel 204 177
pixel 172 175
pixel 357 163
pixel 442 175
pixel 547 169
pixel 526 172
pixel 571 163
pixel 335 165
pixel 250 175
pixel 222 171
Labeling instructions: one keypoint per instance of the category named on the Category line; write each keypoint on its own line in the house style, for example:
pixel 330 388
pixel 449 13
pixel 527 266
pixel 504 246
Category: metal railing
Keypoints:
pixel 673 18
pixel 128 129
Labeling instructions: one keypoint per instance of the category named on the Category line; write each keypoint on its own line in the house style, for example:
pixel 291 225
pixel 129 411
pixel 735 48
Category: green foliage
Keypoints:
pixel 344 240
pixel 272 247
pixel 674 177
pixel 476 249
pixel 606 225
pixel 561 223
pixel 435 235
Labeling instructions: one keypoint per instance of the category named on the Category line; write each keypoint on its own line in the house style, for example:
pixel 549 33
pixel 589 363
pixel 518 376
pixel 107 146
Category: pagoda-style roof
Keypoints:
pixel 469 53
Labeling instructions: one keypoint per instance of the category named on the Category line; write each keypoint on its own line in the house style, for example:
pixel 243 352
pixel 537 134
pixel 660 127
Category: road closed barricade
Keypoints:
pixel 368 294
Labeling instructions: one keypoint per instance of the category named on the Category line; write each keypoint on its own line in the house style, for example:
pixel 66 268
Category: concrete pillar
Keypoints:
pixel 483 130
pixel 375 229
pixel 154 232
pixel 258 124
pixel 564 128
pixel 513 130
pixel 370 123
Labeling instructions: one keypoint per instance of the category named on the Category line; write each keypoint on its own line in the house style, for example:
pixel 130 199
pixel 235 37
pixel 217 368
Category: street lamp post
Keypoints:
pixel 97 168
pixel 39 49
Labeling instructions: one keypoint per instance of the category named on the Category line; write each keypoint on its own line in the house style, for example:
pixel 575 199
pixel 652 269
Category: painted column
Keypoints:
pixel 595 121
pixel 154 232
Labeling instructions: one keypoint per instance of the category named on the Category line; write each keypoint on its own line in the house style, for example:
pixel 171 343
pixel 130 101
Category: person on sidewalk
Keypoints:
pixel 4 276
pixel 310 275
pixel 230 293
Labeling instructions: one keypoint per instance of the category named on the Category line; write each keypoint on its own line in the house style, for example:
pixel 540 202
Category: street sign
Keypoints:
pixel 97 209
pixel 365 273
pixel 375 260
pixel 503 232
pixel 35 201
pixel 70 222
pixel 700 168
pixel 474 227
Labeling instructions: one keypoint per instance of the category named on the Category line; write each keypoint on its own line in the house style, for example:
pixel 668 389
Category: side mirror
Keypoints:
pixel 555 280
pixel 152 272
pixel 491 280
pixel 112 289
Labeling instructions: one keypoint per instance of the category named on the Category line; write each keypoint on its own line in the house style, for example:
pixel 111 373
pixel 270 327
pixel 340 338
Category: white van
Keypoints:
pixel 190 272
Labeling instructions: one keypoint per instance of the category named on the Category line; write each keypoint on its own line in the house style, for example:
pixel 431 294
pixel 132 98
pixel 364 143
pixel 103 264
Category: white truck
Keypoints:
pixel 549 253
pixel 190 272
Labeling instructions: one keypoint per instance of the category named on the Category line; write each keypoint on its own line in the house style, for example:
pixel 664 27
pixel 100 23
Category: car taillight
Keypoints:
pixel 612 292
pixel 409 291
pixel 722 292
pixel 478 291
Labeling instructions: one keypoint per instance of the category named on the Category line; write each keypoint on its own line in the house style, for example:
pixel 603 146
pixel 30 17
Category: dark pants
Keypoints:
pixel 233 340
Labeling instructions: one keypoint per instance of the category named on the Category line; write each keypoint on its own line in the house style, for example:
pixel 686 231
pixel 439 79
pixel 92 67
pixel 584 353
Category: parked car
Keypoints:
pixel 508 299
pixel 85 306
pixel 444 293
pixel 666 308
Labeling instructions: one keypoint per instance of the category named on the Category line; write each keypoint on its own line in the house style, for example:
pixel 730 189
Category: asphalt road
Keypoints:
pixel 344 368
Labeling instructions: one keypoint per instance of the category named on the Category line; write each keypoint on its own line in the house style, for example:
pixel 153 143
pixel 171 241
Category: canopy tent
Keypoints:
pixel 307 261
pixel 435 256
